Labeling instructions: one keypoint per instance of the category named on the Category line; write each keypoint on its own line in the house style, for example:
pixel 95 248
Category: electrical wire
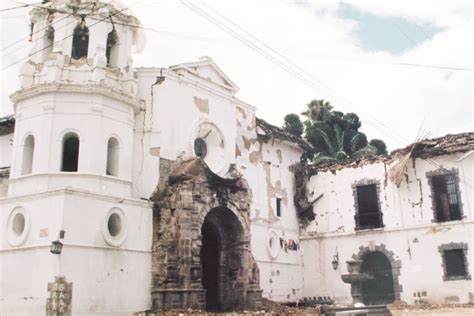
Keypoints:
pixel 202 13
pixel 19 7
pixel 276 61
pixel 376 125
pixel 34 33
pixel 48 46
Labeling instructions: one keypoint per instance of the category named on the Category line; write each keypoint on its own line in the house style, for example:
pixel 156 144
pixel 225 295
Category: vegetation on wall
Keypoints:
pixel 334 135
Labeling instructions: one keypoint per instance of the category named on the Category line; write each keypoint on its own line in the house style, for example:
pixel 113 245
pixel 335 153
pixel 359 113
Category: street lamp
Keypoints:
pixel 335 260
pixel 57 246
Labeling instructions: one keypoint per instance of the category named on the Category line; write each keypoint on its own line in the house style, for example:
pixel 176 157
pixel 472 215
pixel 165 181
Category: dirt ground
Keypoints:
pixel 280 310
pixel 270 308
pixel 442 310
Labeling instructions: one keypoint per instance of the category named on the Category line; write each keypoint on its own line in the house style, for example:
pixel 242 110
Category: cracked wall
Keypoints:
pixel 192 197
pixel 265 164
pixel 408 229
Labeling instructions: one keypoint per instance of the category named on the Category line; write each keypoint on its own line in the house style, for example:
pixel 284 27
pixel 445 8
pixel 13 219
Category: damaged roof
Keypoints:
pixel 426 148
pixel 268 131
pixel 7 125
pixel 445 145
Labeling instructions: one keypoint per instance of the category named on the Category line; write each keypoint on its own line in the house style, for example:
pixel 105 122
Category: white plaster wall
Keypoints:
pixel 421 268
pixel 171 119
pixel 409 231
pixel 94 118
pixel 265 166
pixel 105 278
pixel 281 277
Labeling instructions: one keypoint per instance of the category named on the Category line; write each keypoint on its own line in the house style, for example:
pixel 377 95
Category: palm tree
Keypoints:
pixel 334 134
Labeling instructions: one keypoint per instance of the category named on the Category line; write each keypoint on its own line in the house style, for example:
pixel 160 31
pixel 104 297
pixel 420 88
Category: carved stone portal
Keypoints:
pixel 201 242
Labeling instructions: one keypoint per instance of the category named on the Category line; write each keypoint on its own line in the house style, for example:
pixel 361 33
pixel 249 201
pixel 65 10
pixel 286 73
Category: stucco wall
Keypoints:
pixel 409 230
pixel 105 277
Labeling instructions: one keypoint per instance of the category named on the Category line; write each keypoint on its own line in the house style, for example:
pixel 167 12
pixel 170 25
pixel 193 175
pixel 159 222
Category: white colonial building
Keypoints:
pixel 165 191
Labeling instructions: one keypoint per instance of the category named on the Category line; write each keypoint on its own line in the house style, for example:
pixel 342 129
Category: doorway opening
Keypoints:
pixel 222 260
pixel 380 289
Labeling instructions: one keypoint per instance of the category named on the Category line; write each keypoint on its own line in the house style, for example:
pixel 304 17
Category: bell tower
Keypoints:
pixel 77 100
pixel 71 175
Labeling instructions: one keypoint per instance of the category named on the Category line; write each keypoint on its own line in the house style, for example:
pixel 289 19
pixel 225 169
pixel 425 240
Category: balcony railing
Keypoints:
pixel 369 220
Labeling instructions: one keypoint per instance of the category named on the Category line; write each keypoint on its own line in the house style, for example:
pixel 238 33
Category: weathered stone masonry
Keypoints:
pixel 191 197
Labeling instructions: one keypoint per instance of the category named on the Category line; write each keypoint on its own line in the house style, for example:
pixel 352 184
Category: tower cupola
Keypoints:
pixel 77 102
pixel 83 41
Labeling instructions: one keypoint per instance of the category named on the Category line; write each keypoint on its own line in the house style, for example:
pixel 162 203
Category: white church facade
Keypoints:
pixel 164 190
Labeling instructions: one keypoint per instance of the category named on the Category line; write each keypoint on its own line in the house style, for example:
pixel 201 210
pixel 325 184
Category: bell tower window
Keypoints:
pixel 48 42
pixel 28 151
pixel 80 41
pixel 112 50
pixel 113 152
pixel 70 157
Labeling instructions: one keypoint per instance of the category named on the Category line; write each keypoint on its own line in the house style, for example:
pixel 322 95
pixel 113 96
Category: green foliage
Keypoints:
pixel 293 124
pixel 335 135
pixel 379 145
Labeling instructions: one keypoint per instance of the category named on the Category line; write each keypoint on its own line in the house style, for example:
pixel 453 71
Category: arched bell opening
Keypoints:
pixel 112 49
pixel 80 40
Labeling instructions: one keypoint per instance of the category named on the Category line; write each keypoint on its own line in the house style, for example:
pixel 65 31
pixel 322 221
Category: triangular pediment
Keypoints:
pixel 207 69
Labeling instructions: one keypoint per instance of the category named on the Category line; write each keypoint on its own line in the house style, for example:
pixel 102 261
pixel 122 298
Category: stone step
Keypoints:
pixel 373 310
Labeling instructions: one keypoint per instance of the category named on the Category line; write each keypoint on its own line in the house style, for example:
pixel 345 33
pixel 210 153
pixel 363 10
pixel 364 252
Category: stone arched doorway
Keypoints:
pixel 379 289
pixel 222 260
pixel 373 275
pixel 201 242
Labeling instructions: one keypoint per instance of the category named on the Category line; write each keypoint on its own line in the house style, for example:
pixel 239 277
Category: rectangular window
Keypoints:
pixel 445 197
pixel 278 207
pixel 454 261
pixel 455 266
pixel 368 211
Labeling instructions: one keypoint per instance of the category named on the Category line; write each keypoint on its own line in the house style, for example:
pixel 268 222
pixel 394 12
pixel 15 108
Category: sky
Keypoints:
pixel 401 66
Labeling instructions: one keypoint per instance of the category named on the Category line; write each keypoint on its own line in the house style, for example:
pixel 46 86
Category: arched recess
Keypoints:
pixel 379 262
pixel 80 41
pixel 197 213
pixel 113 157
pixel 112 48
pixel 70 152
pixel 48 41
pixel 379 289
pixel 28 154
pixel 222 259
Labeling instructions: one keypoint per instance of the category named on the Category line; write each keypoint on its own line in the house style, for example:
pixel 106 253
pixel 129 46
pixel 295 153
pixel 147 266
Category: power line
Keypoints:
pixel 382 129
pixel 294 64
pixel 278 62
pixel 19 7
pixel 429 66
pixel 48 46
pixel 26 37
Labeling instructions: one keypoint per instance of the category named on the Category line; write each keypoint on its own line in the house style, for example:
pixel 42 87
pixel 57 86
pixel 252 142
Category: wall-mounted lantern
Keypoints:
pixel 57 246
pixel 335 260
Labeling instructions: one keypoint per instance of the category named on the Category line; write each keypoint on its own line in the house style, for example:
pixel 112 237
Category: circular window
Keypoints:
pixel 114 229
pixel 200 147
pixel 17 227
pixel 273 244
pixel 207 142
pixel 18 224
pixel 114 225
